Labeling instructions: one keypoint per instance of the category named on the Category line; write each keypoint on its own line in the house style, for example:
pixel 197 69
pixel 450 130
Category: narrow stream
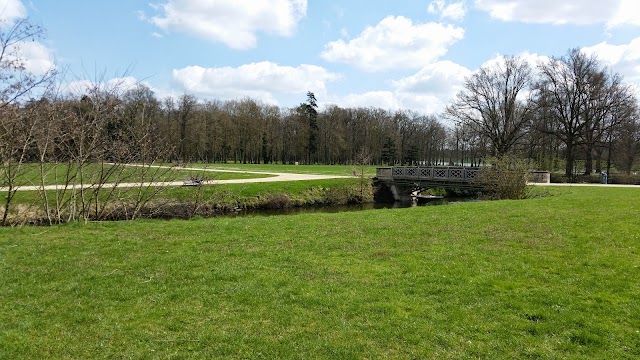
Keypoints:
pixel 344 208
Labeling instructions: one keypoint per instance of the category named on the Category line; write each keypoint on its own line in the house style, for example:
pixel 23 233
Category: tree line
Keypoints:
pixel 568 110
pixel 569 113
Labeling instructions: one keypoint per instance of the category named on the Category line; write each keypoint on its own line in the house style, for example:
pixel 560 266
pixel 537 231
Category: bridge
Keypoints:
pixel 402 181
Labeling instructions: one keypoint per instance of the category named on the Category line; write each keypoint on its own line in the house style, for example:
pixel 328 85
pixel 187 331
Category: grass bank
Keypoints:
pixel 552 277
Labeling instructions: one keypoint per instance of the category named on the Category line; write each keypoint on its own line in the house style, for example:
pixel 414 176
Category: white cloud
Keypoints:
pixel 454 11
pixel 532 59
pixel 31 54
pixel 394 43
pixel 377 99
pixel 11 10
pixel 428 91
pixel 431 89
pixel 114 85
pixel 627 13
pixel 38 59
pixel 232 22
pixel 442 77
pixel 623 59
pixel 263 80
pixel 611 12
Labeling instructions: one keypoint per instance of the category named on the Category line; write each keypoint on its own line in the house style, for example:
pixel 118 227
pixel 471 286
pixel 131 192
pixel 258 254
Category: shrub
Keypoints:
pixel 614 178
pixel 624 179
pixel 506 178
pixel 277 201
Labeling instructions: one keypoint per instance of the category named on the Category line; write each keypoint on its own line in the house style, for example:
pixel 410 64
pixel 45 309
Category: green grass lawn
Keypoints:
pixel 551 277
pixel 342 170
pixel 56 174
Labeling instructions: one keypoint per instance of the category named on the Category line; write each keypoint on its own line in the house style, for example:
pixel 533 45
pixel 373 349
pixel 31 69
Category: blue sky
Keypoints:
pixel 410 54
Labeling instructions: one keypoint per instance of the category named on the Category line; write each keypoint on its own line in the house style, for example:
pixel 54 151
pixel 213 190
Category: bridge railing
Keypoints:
pixel 450 174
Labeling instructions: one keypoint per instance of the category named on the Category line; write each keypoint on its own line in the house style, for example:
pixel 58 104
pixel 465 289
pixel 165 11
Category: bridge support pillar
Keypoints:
pixel 401 192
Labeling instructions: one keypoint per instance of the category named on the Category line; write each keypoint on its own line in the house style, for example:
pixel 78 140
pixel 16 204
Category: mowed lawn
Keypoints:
pixel 552 277
pixel 55 174
pixel 340 170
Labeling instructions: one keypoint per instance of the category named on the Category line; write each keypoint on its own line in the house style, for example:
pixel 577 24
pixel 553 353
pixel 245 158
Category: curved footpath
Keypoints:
pixel 274 177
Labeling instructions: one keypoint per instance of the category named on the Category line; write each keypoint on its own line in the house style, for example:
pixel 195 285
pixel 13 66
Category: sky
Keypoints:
pixel 391 54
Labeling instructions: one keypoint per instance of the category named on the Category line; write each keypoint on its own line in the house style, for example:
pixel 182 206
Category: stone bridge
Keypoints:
pixel 403 181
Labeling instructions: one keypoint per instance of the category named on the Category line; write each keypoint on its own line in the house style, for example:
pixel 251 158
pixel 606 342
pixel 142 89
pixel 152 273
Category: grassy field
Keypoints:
pixel 342 170
pixel 56 173
pixel 550 277
pixel 180 201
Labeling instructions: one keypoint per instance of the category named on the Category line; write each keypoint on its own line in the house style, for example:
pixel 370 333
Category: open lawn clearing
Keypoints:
pixel 57 173
pixel 157 175
pixel 552 277
pixel 340 170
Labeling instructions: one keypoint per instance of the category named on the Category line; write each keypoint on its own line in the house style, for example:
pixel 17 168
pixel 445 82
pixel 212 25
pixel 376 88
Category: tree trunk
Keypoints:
pixel 588 163
pixel 570 159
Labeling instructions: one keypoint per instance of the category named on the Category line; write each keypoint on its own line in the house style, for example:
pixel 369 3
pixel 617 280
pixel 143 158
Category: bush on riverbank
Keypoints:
pixel 505 179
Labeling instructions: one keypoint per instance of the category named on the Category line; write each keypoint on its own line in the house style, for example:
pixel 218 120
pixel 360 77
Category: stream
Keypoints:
pixel 345 208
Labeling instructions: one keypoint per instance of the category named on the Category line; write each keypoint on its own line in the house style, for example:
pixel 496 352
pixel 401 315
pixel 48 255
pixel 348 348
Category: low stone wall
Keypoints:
pixel 542 177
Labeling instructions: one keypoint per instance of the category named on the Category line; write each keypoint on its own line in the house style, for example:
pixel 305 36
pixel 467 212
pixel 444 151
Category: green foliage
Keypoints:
pixel 506 178
pixel 388 154
pixel 411 156
pixel 436 191
pixel 309 109
pixel 549 278
pixel 624 179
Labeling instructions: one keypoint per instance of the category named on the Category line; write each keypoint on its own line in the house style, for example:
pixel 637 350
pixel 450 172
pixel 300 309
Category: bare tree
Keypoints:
pixel 186 107
pixel 583 103
pixel 625 140
pixel 15 81
pixel 16 139
pixel 494 104
pixel 563 93
pixel 16 84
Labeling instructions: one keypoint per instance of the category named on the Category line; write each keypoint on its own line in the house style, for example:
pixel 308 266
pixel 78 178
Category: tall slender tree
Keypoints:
pixel 309 110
